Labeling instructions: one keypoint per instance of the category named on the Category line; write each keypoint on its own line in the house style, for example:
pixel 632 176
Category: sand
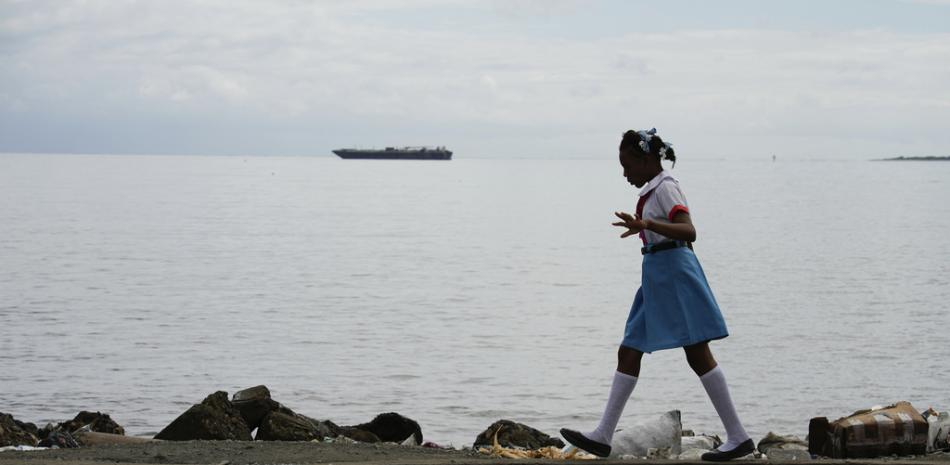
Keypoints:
pixel 258 452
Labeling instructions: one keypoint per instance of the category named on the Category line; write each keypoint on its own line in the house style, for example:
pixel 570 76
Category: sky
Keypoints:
pixel 740 79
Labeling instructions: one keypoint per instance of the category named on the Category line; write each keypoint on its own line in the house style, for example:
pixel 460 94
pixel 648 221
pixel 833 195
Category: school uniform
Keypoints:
pixel 674 306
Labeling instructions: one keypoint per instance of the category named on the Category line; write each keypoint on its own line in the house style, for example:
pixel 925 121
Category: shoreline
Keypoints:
pixel 241 453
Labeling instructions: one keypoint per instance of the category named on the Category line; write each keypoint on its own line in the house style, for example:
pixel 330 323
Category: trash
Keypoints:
pixel 336 440
pixel 693 447
pixel 658 453
pixel 59 440
pixel 93 438
pixel 938 430
pixel 515 435
pixel 637 440
pixel 772 442
pixel 700 442
pixel 548 452
pixel 895 430
pixel 21 448
pixel 86 421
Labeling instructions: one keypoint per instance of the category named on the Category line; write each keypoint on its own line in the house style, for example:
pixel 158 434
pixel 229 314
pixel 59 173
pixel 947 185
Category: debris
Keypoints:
pixel 666 432
pixel 93 438
pixel 773 441
pixel 515 435
pixel 693 447
pixel 21 448
pixel 703 442
pixel 894 430
pixel 87 421
pixel 547 452
pixel 938 430
pixel 59 440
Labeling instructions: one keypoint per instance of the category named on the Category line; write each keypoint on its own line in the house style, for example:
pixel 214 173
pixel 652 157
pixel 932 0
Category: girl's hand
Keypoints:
pixel 633 224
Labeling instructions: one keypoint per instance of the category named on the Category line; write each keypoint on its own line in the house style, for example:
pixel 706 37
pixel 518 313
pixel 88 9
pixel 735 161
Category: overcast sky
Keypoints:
pixel 505 78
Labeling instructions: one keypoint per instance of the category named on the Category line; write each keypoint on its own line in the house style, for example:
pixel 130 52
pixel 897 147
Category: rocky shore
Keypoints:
pixel 252 427
pixel 261 452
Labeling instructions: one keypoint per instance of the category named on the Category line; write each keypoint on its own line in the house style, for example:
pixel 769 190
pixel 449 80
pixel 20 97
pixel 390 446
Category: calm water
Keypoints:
pixel 460 292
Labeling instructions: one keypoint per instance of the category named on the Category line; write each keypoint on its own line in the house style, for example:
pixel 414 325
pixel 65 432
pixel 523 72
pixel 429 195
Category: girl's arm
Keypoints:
pixel 681 229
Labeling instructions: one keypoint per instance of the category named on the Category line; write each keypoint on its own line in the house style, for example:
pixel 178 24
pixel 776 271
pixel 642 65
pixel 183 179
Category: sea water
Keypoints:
pixel 459 293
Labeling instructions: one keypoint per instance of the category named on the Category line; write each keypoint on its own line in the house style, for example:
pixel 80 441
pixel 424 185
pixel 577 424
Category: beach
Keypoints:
pixel 258 452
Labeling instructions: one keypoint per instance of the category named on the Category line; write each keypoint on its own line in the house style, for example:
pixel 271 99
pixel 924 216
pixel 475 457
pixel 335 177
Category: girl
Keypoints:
pixel 674 306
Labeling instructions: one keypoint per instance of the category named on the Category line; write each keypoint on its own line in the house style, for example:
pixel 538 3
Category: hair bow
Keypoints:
pixel 666 146
pixel 645 137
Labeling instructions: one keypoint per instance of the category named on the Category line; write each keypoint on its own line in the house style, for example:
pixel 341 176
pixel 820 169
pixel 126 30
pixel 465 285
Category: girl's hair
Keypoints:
pixel 631 142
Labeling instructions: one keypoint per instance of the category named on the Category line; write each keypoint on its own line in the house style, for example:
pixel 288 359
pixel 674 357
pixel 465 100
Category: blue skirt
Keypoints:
pixel 674 306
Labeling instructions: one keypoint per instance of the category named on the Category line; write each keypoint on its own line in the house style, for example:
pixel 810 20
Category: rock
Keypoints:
pixel 17 433
pixel 215 418
pixel 285 425
pixel 97 421
pixel 256 392
pixel 512 434
pixel 254 404
pixel 359 435
pixel 392 427
pixel 773 441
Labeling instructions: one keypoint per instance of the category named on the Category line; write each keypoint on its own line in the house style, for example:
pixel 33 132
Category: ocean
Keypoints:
pixel 459 293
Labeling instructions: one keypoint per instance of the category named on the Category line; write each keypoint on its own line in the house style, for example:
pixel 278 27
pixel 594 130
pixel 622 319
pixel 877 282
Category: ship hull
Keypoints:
pixel 393 155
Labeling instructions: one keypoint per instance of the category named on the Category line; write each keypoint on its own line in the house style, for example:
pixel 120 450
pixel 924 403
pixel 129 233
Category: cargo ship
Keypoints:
pixel 397 153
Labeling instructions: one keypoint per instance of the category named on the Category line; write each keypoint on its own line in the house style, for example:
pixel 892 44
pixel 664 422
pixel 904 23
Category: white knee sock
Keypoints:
pixel 620 391
pixel 715 383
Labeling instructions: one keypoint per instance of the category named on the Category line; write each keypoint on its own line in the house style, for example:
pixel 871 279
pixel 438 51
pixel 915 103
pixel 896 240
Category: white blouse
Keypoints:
pixel 665 199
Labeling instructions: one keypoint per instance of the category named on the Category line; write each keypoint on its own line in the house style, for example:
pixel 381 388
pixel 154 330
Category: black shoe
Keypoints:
pixel 580 441
pixel 741 450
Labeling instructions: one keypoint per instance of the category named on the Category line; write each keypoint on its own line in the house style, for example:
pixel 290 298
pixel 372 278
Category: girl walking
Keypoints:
pixel 674 306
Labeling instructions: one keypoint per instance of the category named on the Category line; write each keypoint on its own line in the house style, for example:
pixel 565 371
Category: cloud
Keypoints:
pixel 329 74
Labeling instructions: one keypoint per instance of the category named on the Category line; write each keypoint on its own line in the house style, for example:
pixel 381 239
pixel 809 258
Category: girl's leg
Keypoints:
pixel 702 362
pixel 625 379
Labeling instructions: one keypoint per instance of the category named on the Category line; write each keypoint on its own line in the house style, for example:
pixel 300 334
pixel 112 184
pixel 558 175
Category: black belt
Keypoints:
pixel 653 248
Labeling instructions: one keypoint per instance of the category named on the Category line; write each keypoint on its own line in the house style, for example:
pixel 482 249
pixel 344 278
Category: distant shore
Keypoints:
pixel 914 159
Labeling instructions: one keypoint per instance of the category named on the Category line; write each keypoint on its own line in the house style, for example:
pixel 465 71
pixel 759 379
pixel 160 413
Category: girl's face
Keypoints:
pixel 636 169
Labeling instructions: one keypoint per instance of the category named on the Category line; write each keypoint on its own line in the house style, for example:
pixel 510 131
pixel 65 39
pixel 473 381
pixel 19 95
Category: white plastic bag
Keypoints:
pixel 663 434
pixel 938 433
